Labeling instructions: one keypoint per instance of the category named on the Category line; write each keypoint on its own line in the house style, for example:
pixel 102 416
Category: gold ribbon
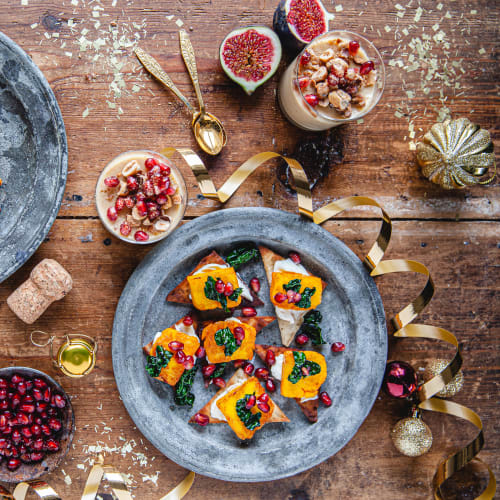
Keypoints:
pixel 98 473
pixel 373 261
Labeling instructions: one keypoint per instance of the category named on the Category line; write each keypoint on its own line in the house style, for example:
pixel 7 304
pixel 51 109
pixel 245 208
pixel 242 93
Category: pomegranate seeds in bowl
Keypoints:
pixel 140 197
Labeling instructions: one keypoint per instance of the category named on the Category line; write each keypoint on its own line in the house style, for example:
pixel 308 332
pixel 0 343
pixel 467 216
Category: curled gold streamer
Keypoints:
pixel 377 267
pixel 41 488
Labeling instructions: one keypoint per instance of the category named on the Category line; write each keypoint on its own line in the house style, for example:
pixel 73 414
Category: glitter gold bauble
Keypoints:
pixel 435 367
pixel 456 153
pixel 412 437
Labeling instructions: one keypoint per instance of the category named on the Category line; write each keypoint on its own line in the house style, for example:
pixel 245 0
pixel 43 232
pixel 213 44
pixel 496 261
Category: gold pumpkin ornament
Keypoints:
pixel 456 153
pixel 412 436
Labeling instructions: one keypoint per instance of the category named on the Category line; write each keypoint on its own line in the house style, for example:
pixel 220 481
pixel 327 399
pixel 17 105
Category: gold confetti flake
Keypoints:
pixel 339 8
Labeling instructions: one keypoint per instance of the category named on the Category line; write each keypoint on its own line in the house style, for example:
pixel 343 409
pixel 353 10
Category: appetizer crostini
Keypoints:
pixel 214 284
pixel 293 291
pixel 243 404
pixel 232 338
pixel 301 374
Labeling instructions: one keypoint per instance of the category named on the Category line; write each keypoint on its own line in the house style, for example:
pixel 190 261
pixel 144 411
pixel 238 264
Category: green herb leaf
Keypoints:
pixel 293 285
pixel 311 327
pixel 219 371
pixel 155 364
pixel 300 362
pixel 305 300
pixel 249 419
pixel 225 337
pixel 234 296
pixel 241 256
pixel 212 294
pixel 182 396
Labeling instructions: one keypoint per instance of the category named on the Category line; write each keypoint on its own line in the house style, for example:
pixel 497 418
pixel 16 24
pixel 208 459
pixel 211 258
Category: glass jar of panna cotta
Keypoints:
pixel 141 197
pixel 338 77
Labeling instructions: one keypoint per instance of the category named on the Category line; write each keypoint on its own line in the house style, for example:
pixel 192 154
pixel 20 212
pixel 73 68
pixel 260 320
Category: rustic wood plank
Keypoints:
pixel 466 303
pixel 373 160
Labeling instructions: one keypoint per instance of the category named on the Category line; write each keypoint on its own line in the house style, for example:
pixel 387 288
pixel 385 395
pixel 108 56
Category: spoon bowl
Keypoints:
pixel 209 132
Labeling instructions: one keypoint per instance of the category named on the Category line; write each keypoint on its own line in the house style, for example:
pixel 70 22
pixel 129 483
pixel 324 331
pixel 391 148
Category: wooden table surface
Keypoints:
pixel 440 58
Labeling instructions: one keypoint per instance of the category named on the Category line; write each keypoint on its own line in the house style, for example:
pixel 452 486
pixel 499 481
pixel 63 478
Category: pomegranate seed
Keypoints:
pixel 255 285
pixel 161 199
pixel 47 395
pixel 333 80
pixel 28 398
pixel 264 398
pixel 188 320
pixel 270 358
pixel 262 373
pixel 37 394
pixel 154 172
pixel 132 183
pixel 280 297
pixel 219 382
pixel 208 370
pixel 305 58
pixel 4 404
pixel 36 430
pixel 353 47
pixel 38 444
pixel 13 464
pixel 170 191
pixel 39 383
pixel 129 202
pixel 140 196
pixel 366 68
pixel 21 388
pixel 27 408
pixel 228 289
pixel 111 213
pixel 200 352
pixel 38 420
pixel 248 368
pixel 165 169
pixel 41 406
pixel 16 378
pixel 119 204
pixel 36 456
pixel 26 432
pixel 111 182
pixel 125 229
pixel 270 385
pixel 3 383
pixel 22 419
pixel 238 363
pixel 142 208
pixel 52 445
pixel 251 402
pixel 189 363
pixel 180 357
pixel 148 188
pixel 59 401
pixel 141 236
pixel 263 407
pixel 44 415
pixel 55 424
pixel 3 443
pixel 338 347
pixel 249 312
pixel 305 371
pixel 15 401
pixel 150 163
pixel 295 257
pixel 301 339
pixel 201 419
pixel 176 346
pixel 239 335
pixel 312 99
pixel 16 436
pixel 297 298
pixel 3 394
pixel 304 82
pixel 219 286
pixel 46 429
pixel 325 398
pixel 7 430
pixel 290 295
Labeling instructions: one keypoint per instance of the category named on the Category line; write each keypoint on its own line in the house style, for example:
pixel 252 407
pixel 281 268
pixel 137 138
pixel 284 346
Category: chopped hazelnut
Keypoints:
pixel 358 101
pixel 370 78
pixel 360 56
pixel 322 89
pixel 337 66
pixel 319 75
pixel 339 99
pixel 324 103
pixel 327 55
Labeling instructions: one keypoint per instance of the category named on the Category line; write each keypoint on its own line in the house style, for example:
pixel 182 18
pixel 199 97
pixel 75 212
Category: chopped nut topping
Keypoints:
pixel 337 66
pixel 327 55
pixel 339 99
pixel 322 89
pixel 319 75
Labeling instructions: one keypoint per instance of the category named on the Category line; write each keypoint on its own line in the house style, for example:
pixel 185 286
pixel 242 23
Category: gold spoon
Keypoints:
pixel 205 125
pixel 199 130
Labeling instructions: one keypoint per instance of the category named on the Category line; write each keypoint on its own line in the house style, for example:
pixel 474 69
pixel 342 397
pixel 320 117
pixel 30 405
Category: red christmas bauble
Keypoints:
pixel 400 379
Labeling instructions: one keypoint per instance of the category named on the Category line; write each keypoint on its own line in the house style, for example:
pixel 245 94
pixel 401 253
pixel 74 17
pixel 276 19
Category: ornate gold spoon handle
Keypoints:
pixel 190 62
pixel 153 67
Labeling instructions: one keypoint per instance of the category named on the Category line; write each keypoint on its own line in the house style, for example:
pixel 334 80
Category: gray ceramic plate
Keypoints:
pixel 353 314
pixel 33 157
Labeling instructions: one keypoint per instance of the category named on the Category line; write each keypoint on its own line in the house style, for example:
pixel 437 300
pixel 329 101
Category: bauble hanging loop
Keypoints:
pixel 435 367
pixel 412 436
pixel 400 380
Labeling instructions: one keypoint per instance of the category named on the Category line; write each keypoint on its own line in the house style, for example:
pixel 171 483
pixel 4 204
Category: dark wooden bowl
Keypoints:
pixel 29 472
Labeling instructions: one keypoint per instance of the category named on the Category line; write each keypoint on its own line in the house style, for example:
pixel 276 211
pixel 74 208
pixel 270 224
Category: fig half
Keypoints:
pixel 250 56
pixel 298 22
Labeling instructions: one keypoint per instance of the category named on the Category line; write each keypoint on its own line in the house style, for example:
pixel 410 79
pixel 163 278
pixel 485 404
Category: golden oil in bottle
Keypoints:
pixel 76 357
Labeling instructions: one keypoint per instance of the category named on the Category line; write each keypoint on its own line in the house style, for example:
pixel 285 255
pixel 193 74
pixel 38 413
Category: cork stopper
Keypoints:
pixel 48 282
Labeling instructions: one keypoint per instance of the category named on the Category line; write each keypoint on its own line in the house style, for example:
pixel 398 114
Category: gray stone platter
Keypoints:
pixel 353 314
pixel 33 157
